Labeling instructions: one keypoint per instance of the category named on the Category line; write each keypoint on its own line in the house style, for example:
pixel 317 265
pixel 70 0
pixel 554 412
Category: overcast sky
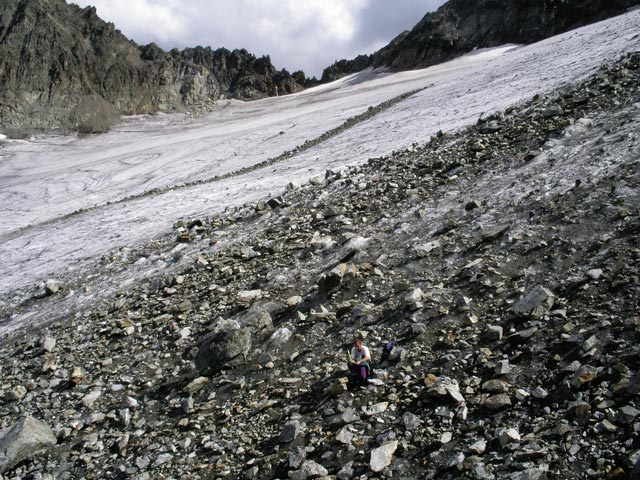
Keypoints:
pixel 298 34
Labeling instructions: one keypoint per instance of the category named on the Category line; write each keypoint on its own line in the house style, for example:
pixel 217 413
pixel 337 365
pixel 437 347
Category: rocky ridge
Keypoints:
pixel 502 260
pixel 459 26
pixel 63 67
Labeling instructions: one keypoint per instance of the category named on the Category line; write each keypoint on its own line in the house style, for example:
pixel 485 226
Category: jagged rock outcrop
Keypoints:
pixel 62 66
pixel 459 26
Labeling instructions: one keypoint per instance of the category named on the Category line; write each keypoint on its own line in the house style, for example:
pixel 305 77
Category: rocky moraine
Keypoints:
pixel 502 260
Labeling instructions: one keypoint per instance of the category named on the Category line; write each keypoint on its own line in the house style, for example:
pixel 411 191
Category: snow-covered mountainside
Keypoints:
pixel 67 201
pixel 206 275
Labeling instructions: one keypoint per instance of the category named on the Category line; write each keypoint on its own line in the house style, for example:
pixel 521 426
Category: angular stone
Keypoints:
pixel 309 469
pixel 497 402
pixel 297 456
pixel 494 332
pixel 76 375
pixel 411 421
pixel 251 473
pixel 492 233
pixel 124 415
pixel 478 446
pixel 496 386
pixel 552 111
pixel 290 431
pixel 347 472
pixel 503 367
pixel 423 250
pixel 344 436
pixel 535 303
pixel 595 274
pixel 578 409
pixel 628 414
pixel 376 409
pixel 246 297
pixel 48 344
pixel 187 404
pixel 25 438
pixel 17 393
pixel 455 460
pixel 278 338
pixel 444 386
pixel 162 460
pixel 509 437
pixel 607 426
pixel 53 286
pixel 539 392
pixel 414 299
pixel 589 343
pixel 196 385
pixel 531 473
pixel 337 388
pixel 275 202
pixel 585 374
pixel 293 301
pixel 89 399
pixel 382 456
pixel 472 205
pixel 348 416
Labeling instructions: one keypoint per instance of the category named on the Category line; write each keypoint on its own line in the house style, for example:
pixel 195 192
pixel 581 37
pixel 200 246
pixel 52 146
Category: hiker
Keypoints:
pixel 359 360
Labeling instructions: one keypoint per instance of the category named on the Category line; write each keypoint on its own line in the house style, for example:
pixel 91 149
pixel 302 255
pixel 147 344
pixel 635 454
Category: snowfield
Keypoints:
pixel 67 201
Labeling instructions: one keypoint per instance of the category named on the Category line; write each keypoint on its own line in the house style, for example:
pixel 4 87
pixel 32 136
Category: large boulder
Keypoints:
pixel 24 439
pixel 227 346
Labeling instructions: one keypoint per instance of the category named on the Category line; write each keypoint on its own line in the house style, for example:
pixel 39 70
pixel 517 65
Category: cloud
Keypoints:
pixel 298 34
pixel 145 19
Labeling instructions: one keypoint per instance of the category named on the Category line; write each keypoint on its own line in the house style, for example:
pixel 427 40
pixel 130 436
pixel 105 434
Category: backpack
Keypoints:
pixel 386 351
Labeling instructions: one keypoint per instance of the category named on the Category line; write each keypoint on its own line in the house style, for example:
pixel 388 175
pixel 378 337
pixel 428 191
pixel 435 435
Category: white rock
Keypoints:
pixel 162 459
pixel 89 399
pixel 509 436
pixel 53 286
pixel 376 409
pixel 278 338
pixel 539 392
pixel 48 343
pixel 595 274
pixel 381 457
pixel 479 446
pixel 246 297
pixel 345 436
pixel 293 301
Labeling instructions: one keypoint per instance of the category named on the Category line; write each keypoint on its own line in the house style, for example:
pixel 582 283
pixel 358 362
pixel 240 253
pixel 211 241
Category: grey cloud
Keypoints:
pixel 294 45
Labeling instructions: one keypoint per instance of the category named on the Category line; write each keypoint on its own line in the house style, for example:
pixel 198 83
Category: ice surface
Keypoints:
pixel 64 199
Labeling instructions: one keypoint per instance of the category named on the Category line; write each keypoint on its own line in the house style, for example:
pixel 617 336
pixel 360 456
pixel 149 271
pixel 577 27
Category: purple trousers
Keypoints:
pixel 359 371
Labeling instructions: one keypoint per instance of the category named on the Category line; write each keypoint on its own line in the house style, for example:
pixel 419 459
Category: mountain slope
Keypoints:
pixel 502 260
pixel 459 26
pixel 62 66
pixel 486 220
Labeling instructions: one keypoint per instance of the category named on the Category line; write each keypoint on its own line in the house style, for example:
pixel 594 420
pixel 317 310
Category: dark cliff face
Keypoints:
pixel 459 26
pixel 62 66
